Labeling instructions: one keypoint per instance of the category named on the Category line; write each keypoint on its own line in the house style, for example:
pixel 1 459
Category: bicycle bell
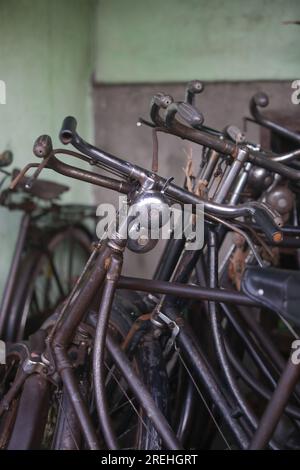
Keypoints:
pixel 150 212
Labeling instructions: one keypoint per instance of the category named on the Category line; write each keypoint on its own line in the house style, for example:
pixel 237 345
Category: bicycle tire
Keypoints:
pixel 16 325
pixel 149 361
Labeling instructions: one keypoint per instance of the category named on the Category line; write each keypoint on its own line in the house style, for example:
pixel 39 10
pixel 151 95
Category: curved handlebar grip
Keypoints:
pixel 6 158
pixel 193 87
pixel 261 99
pixel 267 225
pixel 68 130
pixel 187 112
pixel 190 114
pixel 160 100
pixel 42 146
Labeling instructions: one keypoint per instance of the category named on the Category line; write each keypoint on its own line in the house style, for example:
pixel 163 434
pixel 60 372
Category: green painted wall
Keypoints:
pixel 174 40
pixel 46 61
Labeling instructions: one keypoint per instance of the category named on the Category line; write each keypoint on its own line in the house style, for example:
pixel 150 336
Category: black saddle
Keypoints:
pixel 277 289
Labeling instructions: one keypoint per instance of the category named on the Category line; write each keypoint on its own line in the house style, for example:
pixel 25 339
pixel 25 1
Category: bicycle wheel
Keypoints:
pixel 44 280
pixel 133 429
pixel 9 374
pixel 61 430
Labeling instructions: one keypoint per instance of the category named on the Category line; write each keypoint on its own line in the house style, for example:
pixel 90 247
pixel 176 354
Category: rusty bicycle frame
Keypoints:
pixel 103 273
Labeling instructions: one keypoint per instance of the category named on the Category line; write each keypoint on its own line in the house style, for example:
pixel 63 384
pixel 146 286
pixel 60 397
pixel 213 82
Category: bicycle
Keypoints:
pixel 58 356
pixel 52 245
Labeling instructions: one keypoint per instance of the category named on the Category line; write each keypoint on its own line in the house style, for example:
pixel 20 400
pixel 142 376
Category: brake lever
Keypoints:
pixel 14 183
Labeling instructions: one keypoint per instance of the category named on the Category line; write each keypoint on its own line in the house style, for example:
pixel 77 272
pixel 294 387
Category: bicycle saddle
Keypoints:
pixel 277 289
pixel 42 189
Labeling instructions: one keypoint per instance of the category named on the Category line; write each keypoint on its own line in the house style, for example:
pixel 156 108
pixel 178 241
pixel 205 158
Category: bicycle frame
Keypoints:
pixel 103 273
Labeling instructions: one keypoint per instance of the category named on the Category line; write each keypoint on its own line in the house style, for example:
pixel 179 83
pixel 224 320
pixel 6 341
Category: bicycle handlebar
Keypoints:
pixel 88 176
pixel 193 88
pixel 68 135
pixel 270 228
pixel 261 100
pixel 187 112
pixel 68 130
pixel 224 146
pixel 264 218
pixel 160 100
pixel 260 159
pixel 215 142
pixel 43 146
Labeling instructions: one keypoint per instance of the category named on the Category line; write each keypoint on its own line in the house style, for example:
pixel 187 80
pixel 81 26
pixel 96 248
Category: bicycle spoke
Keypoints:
pixel 204 402
pixel 130 401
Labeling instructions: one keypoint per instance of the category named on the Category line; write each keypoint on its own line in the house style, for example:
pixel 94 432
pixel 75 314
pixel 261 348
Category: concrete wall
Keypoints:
pixel 46 62
pixel 175 40
pixel 141 42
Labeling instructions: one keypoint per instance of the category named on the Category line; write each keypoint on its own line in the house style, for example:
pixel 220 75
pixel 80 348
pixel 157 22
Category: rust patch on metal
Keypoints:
pixel 107 262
